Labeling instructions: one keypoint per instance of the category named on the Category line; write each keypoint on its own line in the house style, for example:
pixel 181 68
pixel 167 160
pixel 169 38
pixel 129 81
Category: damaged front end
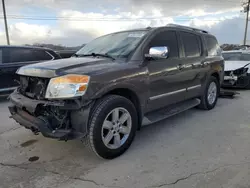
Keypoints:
pixel 237 78
pixel 59 119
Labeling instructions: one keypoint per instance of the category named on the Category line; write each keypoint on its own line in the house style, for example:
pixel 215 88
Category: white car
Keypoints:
pixel 237 68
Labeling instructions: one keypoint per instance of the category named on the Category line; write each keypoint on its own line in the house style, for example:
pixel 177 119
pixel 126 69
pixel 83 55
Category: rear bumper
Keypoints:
pixel 23 110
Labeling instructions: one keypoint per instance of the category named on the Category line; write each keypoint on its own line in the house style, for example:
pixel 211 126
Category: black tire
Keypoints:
pixel 205 105
pixel 101 109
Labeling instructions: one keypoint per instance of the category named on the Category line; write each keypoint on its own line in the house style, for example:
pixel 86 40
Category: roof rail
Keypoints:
pixel 189 28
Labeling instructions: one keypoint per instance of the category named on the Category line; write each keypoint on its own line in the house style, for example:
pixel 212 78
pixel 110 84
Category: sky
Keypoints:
pixel 76 22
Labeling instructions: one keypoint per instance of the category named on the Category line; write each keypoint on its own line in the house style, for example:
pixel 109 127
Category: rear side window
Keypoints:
pixel 212 46
pixel 245 57
pixel 20 55
pixel 192 44
pixel 169 39
pixel 42 55
pixel 1 56
pixel 25 55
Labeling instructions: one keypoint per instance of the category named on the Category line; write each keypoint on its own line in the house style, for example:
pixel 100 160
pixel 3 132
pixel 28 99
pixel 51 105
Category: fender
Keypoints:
pixel 141 94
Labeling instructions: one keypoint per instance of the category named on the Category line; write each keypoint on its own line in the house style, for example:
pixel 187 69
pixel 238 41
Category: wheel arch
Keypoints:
pixel 132 96
pixel 216 75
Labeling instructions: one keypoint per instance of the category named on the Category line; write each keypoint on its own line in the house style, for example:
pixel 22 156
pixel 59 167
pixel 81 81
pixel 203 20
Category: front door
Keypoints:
pixel 165 81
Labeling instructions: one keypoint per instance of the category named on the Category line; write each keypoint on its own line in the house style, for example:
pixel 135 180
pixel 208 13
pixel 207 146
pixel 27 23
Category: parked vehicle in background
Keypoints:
pixel 66 53
pixel 13 57
pixel 237 69
pixel 117 83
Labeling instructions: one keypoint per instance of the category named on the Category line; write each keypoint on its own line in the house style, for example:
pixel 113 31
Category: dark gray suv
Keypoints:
pixel 117 83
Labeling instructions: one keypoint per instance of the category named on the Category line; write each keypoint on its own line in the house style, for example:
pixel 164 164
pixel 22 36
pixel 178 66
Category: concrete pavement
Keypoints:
pixel 198 149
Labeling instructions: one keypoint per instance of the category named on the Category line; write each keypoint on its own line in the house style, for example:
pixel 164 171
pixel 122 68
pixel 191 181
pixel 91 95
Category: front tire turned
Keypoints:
pixel 112 126
pixel 210 94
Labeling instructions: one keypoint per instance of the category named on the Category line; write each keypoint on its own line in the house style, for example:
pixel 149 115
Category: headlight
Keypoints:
pixel 240 71
pixel 67 86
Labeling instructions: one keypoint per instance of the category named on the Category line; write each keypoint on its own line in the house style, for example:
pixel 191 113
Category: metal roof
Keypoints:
pixel 28 47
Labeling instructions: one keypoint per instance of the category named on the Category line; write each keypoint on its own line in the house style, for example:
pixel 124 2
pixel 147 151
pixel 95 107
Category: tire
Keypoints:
pixel 98 136
pixel 205 103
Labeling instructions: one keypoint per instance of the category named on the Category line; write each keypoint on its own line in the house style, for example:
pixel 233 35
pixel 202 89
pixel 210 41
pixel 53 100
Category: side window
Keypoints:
pixel 20 55
pixel 169 39
pixel 24 55
pixel 192 44
pixel 245 57
pixel 1 56
pixel 212 46
pixel 42 55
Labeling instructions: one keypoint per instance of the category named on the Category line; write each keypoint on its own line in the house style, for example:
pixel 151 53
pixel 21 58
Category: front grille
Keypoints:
pixel 33 87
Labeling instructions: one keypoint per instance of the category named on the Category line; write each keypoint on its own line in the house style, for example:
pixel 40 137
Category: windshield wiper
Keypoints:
pixel 75 55
pixel 96 54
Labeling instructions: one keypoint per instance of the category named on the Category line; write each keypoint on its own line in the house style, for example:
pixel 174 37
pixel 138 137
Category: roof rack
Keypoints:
pixel 189 28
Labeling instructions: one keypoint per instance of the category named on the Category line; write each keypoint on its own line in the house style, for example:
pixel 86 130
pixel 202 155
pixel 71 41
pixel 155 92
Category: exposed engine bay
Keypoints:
pixel 33 87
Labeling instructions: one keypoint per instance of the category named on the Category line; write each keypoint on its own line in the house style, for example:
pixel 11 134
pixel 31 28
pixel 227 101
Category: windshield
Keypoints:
pixel 117 45
pixel 236 56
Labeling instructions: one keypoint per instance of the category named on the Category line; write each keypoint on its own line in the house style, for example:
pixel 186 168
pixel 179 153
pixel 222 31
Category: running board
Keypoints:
pixel 169 111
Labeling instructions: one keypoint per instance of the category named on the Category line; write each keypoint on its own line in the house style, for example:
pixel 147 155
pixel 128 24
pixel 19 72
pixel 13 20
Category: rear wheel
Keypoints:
pixel 113 126
pixel 210 94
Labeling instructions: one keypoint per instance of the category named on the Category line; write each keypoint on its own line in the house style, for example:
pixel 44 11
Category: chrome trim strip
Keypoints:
pixel 8 89
pixel 50 55
pixel 167 94
pixel 194 87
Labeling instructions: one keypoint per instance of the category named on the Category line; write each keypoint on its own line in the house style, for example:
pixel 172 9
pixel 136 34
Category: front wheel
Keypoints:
pixel 210 94
pixel 113 125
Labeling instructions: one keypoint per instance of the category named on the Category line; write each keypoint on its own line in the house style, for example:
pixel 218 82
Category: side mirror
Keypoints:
pixel 158 52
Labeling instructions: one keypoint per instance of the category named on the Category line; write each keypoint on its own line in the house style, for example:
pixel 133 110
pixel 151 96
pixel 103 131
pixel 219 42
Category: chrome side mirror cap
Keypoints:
pixel 158 52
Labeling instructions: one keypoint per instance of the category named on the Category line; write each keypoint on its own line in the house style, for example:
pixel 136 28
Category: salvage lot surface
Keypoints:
pixel 193 149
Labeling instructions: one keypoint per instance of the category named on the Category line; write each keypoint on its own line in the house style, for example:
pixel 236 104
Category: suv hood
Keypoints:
pixel 83 65
pixel 233 65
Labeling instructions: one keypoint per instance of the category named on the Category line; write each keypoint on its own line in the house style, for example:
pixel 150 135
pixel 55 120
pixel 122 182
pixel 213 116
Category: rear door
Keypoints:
pixel 192 57
pixel 214 56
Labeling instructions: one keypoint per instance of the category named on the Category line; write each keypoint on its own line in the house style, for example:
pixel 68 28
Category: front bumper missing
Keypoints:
pixel 38 124
pixel 23 108
pixel 242 81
